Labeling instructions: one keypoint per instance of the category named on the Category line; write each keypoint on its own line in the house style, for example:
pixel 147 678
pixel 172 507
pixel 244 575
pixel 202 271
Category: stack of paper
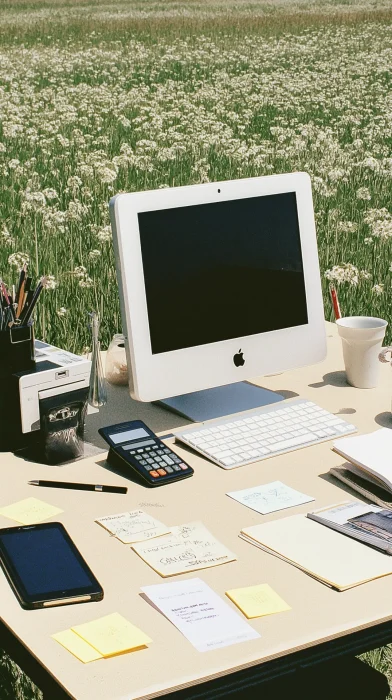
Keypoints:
pixel 326 555
pixel 369 467
pixel 134 526
pixel 107 636
pixel 190 547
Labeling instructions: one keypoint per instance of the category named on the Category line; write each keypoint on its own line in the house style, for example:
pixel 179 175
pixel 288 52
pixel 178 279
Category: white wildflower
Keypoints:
pixel 62 311
pixel 363 193
pixel 51 282
pixel 18 260
pixel 378 289
pixel 104 234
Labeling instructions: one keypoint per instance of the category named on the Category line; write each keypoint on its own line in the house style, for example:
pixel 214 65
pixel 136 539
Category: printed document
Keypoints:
pixel 200 614
pixel 134 526
pixel 270 497
pixel 188 548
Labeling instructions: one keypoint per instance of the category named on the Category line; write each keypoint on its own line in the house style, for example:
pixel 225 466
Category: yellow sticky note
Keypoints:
pixel 255 601
pixel 112 634
pixel 30 511
pixel 77 646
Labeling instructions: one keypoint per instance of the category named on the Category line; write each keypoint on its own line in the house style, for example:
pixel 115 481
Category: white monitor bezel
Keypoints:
pixel 160 376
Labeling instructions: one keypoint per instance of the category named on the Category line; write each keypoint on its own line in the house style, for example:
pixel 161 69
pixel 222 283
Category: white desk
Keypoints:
pixel 321 622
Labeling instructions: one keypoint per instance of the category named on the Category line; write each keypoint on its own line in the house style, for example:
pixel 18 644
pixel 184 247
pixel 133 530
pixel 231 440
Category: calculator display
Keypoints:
pixel 128 435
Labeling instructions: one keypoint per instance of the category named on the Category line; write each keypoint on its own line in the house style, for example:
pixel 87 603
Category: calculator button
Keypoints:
pixel 162 472
pixel 147 449
pixel 143 462
pixel 168 459
pixel 139 458
pixel 141 450
pixel 176 468
pixel 183 466
pixel 176 459
pixel 159 452
pixel 169 470
pixel 149 460
pixel 166 450
pixel 154 474
pixel 149 467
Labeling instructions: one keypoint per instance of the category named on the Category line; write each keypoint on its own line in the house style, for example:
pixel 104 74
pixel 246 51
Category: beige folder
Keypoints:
pixel 332 558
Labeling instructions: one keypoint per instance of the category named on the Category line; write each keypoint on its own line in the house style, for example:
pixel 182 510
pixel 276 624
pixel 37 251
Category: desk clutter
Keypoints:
pixel 342 546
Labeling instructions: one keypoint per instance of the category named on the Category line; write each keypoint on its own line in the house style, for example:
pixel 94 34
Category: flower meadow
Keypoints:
pixel 107 108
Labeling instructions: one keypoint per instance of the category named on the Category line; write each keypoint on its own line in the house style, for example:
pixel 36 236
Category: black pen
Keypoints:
pixel 79 487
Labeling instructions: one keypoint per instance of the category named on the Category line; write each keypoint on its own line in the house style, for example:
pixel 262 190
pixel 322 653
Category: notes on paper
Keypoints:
pixel 77 646
pixel 29 511
pixel 134 526
pixel 190 547
pixel 107 636
pixel 200 614
pixel 111 635
pixel 255 601
pixel 270 497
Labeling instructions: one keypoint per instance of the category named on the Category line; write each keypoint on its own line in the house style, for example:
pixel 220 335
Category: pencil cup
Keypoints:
pixel 362 338
pixel 16 350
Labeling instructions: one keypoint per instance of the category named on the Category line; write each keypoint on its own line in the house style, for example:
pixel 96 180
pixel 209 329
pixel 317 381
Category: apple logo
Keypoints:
pixel 238 358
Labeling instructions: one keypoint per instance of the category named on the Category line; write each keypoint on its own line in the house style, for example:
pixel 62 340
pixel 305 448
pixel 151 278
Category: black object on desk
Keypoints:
pixel 101 488
pixel 135 449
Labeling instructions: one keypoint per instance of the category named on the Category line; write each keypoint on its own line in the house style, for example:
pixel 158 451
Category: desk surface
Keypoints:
pixel 318 613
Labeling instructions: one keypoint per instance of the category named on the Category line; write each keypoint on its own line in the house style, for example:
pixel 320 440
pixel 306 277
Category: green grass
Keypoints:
pixel 97 98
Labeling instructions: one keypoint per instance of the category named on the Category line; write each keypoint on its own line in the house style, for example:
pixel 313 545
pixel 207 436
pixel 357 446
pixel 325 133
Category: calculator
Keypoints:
pixel 133 445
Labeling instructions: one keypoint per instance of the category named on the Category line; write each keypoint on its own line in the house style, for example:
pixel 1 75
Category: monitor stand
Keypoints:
pixel 220 401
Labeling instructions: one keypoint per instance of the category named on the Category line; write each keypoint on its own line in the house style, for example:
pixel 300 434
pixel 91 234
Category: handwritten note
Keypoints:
pixel 190 547
pixel 77 646
pixel 200 614
pixel 255 601
pixel 112 634
pixel 270 497
pixel 134 526
pixel 29 511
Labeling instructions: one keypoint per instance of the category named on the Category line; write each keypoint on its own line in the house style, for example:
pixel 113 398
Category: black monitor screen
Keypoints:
pixel 223 270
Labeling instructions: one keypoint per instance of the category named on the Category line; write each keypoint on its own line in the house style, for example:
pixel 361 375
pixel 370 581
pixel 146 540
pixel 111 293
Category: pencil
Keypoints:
pixel 335 302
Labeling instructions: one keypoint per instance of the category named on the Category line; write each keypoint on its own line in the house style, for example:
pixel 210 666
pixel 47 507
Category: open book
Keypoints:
pixel 369 467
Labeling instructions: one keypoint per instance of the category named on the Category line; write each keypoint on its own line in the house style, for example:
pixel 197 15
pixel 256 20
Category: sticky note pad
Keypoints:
pixel 112 634
pixel 255 601
pixel 77 646
pixel 30 511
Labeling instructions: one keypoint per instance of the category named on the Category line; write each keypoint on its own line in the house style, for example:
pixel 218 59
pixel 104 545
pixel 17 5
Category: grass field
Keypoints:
pixel 97 98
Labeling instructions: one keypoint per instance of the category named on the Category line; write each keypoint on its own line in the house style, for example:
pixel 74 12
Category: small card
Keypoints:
pixel 30 511
pixel 134 526
pixel 111 635
pixel 200 614
pixel 270 497
pixel 190 547
pixel 255 601
pixel 77 646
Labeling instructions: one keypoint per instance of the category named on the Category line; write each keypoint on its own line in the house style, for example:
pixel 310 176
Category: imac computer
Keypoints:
pixel 219 283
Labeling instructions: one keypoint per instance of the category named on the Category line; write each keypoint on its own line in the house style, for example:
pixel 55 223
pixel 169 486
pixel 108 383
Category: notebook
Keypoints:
pixel 371 454
pixel 346 518
pixel 328 556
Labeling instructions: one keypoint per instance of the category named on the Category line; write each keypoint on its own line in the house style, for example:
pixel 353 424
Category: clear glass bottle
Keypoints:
pixel 98 393
pixel 116 370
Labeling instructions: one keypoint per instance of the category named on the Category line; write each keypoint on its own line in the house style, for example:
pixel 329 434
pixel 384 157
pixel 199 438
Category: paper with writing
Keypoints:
pixel 255 601
pixel 30 511
pixel 190 547
pixel 200 614
pixel 112 634
pixel 134 526
pixel 270 497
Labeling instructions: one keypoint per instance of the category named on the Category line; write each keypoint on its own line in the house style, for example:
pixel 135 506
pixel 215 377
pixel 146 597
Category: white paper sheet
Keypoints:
pixel 190 547
pixel 134 526
pixel 270 497
pixel 200 614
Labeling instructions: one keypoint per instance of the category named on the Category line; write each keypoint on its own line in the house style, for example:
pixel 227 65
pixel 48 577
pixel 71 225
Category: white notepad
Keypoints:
pixel 371 452
pixel 327 555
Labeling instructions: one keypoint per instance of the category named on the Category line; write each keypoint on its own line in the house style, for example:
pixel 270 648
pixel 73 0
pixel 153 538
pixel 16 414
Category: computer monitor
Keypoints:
pixel 218 282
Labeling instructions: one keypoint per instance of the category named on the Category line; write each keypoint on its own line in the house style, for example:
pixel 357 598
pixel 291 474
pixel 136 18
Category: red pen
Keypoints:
pixel 335 302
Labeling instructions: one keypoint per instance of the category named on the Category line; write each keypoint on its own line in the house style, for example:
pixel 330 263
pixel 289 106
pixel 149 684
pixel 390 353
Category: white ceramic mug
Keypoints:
pixel 362 338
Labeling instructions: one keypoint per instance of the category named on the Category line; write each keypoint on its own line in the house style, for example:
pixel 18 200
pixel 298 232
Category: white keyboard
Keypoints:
pixel 264 432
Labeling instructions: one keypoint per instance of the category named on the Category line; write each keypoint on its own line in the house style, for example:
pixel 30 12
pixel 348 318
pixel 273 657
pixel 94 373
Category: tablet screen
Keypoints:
pixel 44 562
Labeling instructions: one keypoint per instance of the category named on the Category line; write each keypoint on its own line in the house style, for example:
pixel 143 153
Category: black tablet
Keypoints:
pixel 45 568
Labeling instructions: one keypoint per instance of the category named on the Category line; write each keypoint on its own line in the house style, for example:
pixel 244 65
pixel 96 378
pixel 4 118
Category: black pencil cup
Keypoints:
pixel 16 355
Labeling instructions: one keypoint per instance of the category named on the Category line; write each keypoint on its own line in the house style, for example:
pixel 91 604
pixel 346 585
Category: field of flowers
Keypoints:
pixel 94 100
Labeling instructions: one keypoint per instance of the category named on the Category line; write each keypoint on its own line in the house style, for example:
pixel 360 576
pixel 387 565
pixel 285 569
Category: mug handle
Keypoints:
pixel 383 354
